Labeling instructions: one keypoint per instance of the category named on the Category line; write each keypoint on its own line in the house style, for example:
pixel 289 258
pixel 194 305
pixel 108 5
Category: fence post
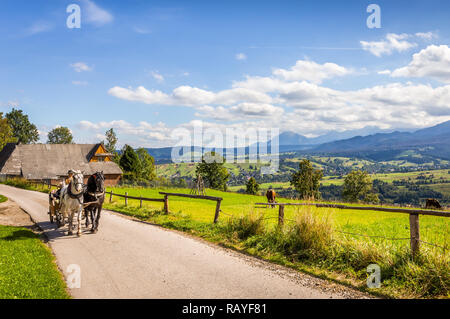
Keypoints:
pixel 414 232
pixel 141 202
pixel 110 197
pixel 126 199
pixel 281 215
pixel 216 216
pixel 166 204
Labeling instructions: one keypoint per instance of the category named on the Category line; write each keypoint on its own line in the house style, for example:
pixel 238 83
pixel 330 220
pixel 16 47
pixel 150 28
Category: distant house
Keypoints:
pixel 50 162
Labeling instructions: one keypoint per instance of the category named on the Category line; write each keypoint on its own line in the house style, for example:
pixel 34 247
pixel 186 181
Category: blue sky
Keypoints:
pixel 148 67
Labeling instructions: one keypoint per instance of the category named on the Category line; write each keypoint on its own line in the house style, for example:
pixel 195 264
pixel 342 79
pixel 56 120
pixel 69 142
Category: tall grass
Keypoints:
pixel 245 226
pixel 311 239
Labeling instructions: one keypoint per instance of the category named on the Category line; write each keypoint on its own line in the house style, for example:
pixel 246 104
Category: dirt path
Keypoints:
pixel 129 259
pixel 12 215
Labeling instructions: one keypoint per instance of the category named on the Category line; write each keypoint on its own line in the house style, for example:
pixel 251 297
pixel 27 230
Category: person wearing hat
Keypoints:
pixel 70 174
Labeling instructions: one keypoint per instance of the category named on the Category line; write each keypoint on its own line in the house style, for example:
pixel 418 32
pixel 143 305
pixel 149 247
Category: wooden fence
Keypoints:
pixel 165 200
pixel 413 216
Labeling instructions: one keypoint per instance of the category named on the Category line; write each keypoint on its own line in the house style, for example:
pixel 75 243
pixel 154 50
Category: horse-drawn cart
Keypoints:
pixel 54 212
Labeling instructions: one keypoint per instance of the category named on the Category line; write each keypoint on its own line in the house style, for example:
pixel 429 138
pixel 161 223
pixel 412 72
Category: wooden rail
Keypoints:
pixel 140 199
pixel 165 200
pixel 413 216
pixel 218 201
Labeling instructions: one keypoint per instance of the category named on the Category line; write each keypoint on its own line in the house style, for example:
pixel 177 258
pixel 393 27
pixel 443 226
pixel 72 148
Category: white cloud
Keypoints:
pixel 257 110
pixel 158 77
pixel 311 71
pixel 143 134
pixel 142 30
pixel 426 35
pixel 93 14
pixel 140 94
pixel 241 56
pixel 392 42
pixel 384 72
pixel 39 27
pixel 432 62
pixel 80 67
pixel 189 96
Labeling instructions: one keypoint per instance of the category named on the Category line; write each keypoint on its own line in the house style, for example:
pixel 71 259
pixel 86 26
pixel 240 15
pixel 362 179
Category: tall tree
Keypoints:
pixel 307 180
pixel 110 145
pixel 147 164
pixel 6 133
pixel 60 135
pixel 23 131
pixel 111 141
pixel 130 163
pixel 212 171
pixel 252 187
pixel 358 186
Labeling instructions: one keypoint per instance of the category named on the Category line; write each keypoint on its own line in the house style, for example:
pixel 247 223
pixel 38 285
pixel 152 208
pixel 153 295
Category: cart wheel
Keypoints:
pixel 51 219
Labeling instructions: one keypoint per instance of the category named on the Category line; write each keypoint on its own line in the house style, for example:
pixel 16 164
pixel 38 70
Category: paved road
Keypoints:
pixel 131 259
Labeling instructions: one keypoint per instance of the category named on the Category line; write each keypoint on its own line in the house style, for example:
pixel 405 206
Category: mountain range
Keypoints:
pixel 367 142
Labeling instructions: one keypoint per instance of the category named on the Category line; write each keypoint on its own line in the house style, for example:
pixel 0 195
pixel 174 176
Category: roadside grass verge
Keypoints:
pixel 3 199
pixel 27 267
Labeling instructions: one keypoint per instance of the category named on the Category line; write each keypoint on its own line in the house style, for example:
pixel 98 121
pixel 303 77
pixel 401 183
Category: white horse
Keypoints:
pixel 72 200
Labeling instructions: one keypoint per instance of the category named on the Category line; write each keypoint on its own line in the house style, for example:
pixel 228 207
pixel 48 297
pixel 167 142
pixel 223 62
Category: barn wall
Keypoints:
pixel 112 179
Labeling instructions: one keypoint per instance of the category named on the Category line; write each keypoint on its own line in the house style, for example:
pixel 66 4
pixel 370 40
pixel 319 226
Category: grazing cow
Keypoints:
pixel 270 194
pixel 432 203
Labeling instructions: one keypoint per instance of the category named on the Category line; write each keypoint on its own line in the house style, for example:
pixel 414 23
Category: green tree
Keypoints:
pixel 212 171
pixel 307 180
pixel 111 141
pixel 147 164
pixel 129 162
pixel 60 135
pixel 252 186
pixel 358 186
pixel 6 133
pixel 23 131
pixel 110 145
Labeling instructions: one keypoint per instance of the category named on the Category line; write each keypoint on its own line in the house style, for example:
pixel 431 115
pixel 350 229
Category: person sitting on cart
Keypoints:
pixel 65 182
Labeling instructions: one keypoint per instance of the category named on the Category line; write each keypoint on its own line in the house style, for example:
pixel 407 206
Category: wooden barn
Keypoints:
pixel 50 162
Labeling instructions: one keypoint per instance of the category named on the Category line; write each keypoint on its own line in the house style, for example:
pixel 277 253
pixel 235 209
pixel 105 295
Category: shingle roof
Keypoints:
pixel 50 161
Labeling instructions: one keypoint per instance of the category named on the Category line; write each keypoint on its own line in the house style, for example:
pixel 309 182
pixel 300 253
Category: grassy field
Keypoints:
pixel 344 257
pixel 3 199
pixel 27 267
pixel 433 229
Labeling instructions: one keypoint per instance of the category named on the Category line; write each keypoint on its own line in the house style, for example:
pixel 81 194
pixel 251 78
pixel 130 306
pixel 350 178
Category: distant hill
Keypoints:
pixel 294 139
pixel 432 141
